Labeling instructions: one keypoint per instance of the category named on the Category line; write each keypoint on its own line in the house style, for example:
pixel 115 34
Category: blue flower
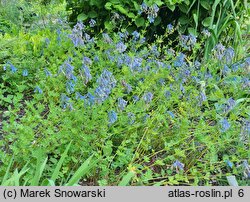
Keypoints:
pixel 112 116
pixel 121 47
pixel 136 35
pixel 47 72
pixel 135 98
pixel 70 87
pixel 148 97
pixel 131 118
pixel 92 23
pixel 89 99
pixel 87 74
pixel 38 89
pixel 180 60
pixel 122 103
pixel 229 163
pixel 151 18
pixel 246 169
pixel 225 125
pixel 170 28
pixel 87 61
pixel 13 68
pixel 106 82
pixel 107 38
pixel 65 102
pixel 79 96
pixel 202 98
pixel 178 165
pixel 230 105
pixel 171 114
pixel 25 72
pixel 229 55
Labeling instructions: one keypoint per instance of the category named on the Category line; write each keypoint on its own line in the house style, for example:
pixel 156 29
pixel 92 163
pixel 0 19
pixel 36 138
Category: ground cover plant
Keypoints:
pixel 114 107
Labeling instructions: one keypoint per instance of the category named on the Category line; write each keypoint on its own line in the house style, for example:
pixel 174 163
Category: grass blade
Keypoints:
pixel 126 179
pixel 59 164
pixel 39 171
pixel 80 172
pixel 7 171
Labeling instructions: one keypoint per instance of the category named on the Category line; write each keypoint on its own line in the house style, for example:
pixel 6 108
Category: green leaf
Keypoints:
pixel 92 14
pixel 131 15
pixel 108 25
pixel 206 22
pixel 140 22
pixel 205 4
pixel 82 17
pixel 121 9
pixel 126 179
pixel 191 30
pixel 108 6
pixel 171 7
pixel 184 20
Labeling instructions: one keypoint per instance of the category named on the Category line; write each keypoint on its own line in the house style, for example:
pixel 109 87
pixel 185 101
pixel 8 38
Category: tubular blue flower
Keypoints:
pixel 112 116
pixel 131 118
pixel 107 38
pixel 225 125
pixel 65 102
pixel 206 33
pixel 79 96
pixel 86 74
pixel 136 35
pixel 180 60
pixel 230 105
pixel 92 23
pixel 70 87
pixel 38 89
pixel 135 64
pixel 229 55
pixel 151 18
pixel 167 94
pixel 226 70
pixel 219 51
pixel 148 97
pixel 170 28
pixel 202 98
pixel 178 165
pixel 121 47
pixel 246 168
pixel 89 99
pixel 47 72
pixel 122 103
pixel 171 114
pixel 25 72
pixel 144 7
pixel 77 34
pixel 13 68
pixel 106 82
pixel 87 61
pixel 229 163
pixel 135 98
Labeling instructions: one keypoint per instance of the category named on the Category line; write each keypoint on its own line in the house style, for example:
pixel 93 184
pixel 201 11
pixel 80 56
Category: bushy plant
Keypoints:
pixel 149 114
pixel 220 17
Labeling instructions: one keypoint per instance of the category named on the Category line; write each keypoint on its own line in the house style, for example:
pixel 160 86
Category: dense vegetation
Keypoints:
pixel 89 99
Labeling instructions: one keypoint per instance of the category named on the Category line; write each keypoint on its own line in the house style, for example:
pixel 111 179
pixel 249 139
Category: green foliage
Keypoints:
pixel 78 106
pixel 220 17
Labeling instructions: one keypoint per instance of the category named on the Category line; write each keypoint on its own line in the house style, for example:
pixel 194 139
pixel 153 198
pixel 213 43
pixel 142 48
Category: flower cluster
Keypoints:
pixel 151 11
pixel 106 82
